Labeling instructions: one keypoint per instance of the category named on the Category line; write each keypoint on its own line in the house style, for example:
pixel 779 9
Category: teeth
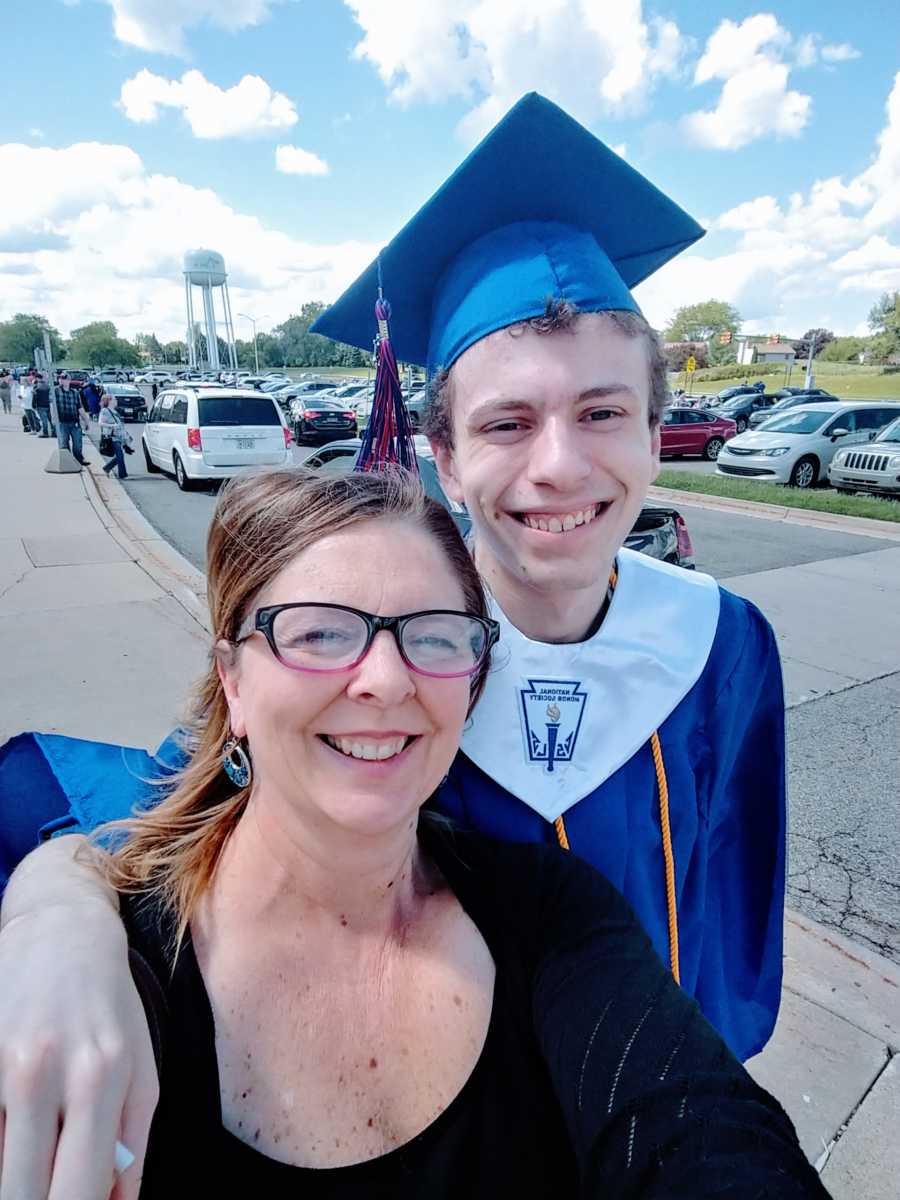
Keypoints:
pixel 565 523
pixel 366 748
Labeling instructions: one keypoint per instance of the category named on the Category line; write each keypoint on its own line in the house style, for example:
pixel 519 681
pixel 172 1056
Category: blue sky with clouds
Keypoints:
pixel 296 136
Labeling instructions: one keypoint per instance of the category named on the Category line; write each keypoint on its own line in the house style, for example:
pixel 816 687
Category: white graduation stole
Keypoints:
pixel 555 721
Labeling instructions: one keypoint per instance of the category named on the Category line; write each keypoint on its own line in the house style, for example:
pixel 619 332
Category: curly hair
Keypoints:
pixel 437 421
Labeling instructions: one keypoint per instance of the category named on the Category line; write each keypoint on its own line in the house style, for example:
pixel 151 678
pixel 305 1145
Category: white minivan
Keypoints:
pixel 212 433
pixel 797 446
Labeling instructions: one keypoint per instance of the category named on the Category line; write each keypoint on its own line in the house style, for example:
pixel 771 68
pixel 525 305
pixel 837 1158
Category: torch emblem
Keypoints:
pixel 552 710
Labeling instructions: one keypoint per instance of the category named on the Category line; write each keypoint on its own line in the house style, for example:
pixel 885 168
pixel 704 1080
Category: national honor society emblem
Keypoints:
pixel 551 714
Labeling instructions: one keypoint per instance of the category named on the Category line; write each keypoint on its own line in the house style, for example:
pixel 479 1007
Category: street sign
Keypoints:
pixel 691 364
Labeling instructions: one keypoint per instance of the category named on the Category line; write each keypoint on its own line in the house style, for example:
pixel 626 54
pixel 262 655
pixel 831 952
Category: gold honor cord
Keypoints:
pixel 662 787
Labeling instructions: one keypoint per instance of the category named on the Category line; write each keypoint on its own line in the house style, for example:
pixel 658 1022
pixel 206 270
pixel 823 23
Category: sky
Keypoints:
pixel 296 137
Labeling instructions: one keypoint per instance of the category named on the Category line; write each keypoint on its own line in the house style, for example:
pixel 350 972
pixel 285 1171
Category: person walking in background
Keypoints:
pixel 91 393
pixel 30 423
pixel 113 436
pixel 42 405
pixel 68 415
pixel 6 385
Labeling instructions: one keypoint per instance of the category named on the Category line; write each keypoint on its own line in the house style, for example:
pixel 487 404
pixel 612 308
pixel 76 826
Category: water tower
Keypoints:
pixel 205 269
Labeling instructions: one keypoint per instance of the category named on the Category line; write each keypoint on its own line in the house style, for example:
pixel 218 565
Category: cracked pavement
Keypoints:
pixel 844 840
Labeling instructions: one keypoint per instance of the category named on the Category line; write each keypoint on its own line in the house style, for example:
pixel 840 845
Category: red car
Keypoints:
pixel 694 431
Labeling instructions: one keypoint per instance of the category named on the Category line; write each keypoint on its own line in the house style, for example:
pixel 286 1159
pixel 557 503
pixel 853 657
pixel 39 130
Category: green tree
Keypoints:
pixel 703 322
pixel 822 338
pixel 23 334
pixel 844 349
pixel 99 345
pixel 175 352
pixel 884 320
pixel 148 346
pixel 884 315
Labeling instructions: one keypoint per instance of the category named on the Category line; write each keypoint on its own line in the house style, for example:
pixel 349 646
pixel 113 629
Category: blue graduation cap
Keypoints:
pixel 541 208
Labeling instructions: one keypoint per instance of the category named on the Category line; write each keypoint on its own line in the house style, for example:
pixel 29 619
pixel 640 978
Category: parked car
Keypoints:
pixel 317 419
pixel 659 530
pixel 741 407
pixel 130 402
pixel 252 381
pixel 792 400
pixel 873 468
pixel 112 375
pixel 153 375
pixel 798 446
pixel 694 431
pixel 819 393
pixel 307 387
pixel 203 433
pixel 77 378
pixel 416 404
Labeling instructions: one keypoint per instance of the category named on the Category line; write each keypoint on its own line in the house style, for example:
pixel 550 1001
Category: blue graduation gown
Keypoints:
pixel 723 749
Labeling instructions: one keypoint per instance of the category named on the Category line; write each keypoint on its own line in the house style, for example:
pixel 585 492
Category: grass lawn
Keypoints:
pixel 845 380
pixel 786 497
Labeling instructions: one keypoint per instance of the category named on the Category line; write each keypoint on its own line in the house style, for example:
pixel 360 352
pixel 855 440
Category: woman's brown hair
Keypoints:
pixel 260 525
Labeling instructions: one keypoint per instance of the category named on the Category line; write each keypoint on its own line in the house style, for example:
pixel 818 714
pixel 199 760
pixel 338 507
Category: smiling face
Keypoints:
pixel 360 749
pixel 553 454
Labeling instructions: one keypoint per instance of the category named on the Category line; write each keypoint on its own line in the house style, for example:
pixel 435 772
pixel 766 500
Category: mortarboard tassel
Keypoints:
pixel 388 438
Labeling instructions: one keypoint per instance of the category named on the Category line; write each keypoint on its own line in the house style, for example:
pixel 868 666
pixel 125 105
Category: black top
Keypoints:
pixel 599 1077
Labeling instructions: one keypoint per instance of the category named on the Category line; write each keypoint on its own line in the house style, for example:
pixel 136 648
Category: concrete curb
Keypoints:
pixel 143 544
pixel 865 526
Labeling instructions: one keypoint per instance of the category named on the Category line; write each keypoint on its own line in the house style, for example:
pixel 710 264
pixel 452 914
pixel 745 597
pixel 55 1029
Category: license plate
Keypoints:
pixel 245 443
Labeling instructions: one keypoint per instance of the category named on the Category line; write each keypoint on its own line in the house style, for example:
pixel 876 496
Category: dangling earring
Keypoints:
pixel 236 763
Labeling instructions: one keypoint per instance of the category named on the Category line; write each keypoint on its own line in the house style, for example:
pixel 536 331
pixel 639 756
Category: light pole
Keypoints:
pixel 253 321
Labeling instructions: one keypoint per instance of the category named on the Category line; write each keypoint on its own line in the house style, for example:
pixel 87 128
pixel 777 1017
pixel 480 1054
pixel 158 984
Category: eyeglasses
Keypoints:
pixel 442 643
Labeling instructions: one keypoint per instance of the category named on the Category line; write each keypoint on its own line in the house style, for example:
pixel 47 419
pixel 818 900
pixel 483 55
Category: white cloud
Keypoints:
pixel 594 59
pixel 793 258
pixel 160 24
pixel 291 160
pixel 248 108
pixel 842 52
pixel 99 234
pixel 36 133
pixel 752 214
pixel 755 99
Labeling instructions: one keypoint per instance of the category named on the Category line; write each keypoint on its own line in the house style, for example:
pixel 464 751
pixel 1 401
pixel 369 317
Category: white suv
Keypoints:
pixel 212 433
pixel 797 446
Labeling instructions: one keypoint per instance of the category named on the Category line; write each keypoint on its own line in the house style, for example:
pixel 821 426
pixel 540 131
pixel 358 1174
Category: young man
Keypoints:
pixel 634 712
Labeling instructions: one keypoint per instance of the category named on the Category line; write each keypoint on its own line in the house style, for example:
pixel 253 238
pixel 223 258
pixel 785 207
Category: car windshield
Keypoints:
pixel 323 405
pixel 807 420
pixel 892 433
pixel 236 410
pixel 737 401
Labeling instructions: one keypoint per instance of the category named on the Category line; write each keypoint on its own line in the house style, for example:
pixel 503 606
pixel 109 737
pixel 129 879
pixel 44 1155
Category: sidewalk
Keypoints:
pixel 101 635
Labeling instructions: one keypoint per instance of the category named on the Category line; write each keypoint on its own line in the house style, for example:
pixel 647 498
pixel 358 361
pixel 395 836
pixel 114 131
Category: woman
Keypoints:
pixel 113 427
pixel 349 998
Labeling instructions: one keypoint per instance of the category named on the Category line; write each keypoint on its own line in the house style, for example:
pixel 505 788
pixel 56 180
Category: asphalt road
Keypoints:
pixel 843 750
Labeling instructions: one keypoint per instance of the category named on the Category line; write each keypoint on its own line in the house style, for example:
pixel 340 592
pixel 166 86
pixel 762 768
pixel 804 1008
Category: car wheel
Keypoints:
pixel 712 448
pixel 741 424
pixel 804 473
pixel 152 468
pixel 181 477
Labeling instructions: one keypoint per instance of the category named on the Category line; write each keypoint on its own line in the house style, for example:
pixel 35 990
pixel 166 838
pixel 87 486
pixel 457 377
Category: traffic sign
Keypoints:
pixel 691 364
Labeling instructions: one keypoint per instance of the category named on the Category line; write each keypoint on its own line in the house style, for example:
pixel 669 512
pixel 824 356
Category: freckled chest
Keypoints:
pixel 325 1061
